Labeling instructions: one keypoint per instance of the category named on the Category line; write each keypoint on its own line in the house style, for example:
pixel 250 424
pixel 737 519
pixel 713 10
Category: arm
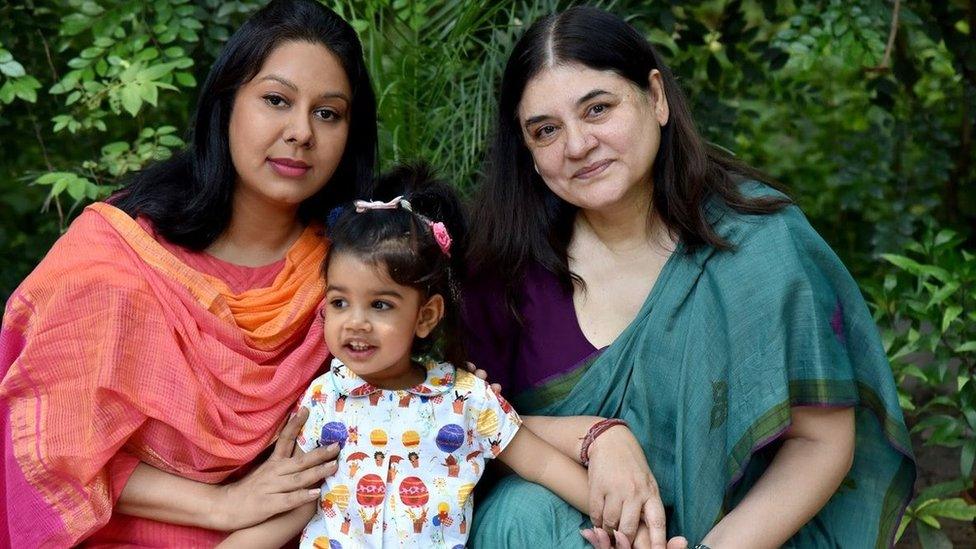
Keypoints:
pixel 537 461
pixel 816 454
pixel 279 484
pixel 274 532
pixel 564 433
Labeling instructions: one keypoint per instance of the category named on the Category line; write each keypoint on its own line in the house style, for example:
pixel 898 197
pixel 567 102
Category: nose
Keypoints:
pixel 358 321
pixel 299 130
pixel 579 141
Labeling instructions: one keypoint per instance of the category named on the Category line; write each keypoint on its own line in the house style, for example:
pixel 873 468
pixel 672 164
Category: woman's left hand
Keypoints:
pixel 622 487
pixel 600 539
pixel 478 372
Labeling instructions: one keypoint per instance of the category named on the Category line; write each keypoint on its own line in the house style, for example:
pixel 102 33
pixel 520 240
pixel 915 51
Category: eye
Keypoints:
pixel 328 114
pixel 598 109
pixel 274 100
pixel 381 305
pixel 545 131
pixel 337 303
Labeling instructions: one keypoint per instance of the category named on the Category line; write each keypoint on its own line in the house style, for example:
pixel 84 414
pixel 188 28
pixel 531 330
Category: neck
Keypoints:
pixel 624 225
pixel 259 232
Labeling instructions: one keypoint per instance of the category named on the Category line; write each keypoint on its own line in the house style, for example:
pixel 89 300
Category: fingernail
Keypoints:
pixel 314 493
pixel 332 446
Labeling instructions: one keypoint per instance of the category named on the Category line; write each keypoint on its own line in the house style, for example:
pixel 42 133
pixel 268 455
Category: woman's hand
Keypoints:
pixel 483 375
pixel 282 483
pixel 622 487
pixel 600 539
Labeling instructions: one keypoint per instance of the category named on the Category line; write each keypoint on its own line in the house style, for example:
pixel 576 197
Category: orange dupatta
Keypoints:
pixel 113 346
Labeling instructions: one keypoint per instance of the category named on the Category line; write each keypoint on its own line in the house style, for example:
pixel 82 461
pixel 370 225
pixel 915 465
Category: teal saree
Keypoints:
pixel 724 345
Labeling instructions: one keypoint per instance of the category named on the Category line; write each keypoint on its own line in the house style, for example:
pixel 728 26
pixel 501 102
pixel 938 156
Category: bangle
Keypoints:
pixel 596 430
pixel 701 546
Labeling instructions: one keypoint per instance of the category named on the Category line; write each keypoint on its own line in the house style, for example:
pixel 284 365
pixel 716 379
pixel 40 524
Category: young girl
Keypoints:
pixel 414 433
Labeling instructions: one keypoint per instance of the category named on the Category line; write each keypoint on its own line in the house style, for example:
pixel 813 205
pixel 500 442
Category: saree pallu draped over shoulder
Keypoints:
pixel 113 352
pixel 724 345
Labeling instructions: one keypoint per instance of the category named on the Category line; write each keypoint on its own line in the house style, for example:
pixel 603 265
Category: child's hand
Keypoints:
pixel 483 375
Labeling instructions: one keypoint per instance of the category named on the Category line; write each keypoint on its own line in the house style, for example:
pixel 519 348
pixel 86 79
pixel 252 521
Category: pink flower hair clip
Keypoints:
pixel 441 236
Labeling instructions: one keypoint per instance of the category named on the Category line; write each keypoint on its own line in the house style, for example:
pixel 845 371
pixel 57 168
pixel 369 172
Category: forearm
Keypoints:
pixel 564 433
pixel 804 474
pixel 274 532
pixel 154 494
pixel 535 460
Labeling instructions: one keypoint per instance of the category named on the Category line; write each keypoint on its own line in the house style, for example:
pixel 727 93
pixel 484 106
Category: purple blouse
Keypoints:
pixel 549 342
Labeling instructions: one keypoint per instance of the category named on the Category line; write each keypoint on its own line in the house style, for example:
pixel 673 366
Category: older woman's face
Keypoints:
pixel 289 124
pixel 593 134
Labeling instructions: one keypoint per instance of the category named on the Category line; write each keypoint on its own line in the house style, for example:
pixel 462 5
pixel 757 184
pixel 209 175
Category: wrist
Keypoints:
pixel 590 445
pixel 218 514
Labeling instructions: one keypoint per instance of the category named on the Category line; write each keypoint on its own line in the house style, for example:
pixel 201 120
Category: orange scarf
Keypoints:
pixel 113 346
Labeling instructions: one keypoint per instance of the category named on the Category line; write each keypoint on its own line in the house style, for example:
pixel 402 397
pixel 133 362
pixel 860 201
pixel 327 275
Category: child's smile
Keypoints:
pixel 371 321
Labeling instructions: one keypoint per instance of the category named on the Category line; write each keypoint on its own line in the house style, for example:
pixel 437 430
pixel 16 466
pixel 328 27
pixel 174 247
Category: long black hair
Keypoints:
pixel 189 196
pixel 520 220
pixel 403 241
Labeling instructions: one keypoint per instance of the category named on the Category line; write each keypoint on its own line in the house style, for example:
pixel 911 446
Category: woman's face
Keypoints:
pixel 593 134
pixel 289 125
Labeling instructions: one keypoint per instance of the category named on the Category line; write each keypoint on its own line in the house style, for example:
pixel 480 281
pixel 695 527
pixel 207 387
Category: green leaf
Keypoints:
pixel 12 69
pixel 942 293
pixel 76 187
pixel 131 97
pixel 967 347
pixel 930 536
pixel 149 93
pixel 170 141
pixel 156 72
pixel 954 508
pixel 186 79
pixel 967 457
pixel 52 177
pixel 945 235
pixel 951 313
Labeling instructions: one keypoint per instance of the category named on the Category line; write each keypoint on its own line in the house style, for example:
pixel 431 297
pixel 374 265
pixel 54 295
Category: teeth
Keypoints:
pixel 358 346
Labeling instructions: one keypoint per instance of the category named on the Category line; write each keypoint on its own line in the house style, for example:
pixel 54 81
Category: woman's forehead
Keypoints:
pixel 565 85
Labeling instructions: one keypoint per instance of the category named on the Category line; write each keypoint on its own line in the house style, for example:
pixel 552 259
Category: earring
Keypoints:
pixel 536 166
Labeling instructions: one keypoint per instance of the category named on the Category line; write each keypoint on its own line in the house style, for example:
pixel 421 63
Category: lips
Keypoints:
pixel 592 170
pixel 359 350
pixel 289 167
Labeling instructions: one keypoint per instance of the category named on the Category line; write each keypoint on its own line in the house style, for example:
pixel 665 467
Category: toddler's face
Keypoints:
pixel 371 321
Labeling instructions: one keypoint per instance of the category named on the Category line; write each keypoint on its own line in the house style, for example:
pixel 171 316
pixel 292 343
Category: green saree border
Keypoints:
pixel 557 388
pixel 833 393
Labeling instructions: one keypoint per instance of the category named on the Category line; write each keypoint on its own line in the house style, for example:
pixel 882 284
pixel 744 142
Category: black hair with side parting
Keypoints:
pixel 521 221
pixel 189 197
pixel 402 243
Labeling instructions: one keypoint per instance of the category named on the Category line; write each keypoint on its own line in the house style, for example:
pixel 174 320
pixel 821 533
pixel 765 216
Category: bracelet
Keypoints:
pixel 596 430
pixel 701 546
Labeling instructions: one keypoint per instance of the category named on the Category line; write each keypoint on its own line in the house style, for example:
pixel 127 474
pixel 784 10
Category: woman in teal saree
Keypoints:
pixel 625 270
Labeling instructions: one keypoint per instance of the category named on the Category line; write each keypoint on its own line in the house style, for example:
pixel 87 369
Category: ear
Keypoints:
pixel 429 315
pixel 659 101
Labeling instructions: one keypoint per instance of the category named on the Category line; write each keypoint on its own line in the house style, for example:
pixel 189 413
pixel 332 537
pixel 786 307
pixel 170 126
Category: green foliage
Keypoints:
pixel 874 138
pixel 927 308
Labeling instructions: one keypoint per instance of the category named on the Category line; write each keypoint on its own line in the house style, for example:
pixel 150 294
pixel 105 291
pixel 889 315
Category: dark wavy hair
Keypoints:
pixel 520 220
pixel 402 241
pixel 189 196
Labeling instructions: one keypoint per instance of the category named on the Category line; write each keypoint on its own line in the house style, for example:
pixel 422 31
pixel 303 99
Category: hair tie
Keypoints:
pixel 438 229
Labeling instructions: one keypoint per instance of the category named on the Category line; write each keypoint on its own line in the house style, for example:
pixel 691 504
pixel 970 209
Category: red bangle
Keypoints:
pixel 596 430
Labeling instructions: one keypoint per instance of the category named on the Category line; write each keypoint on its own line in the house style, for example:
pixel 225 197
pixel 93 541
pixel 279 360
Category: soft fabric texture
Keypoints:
pixel 113 351
pixel 725 343
pixel 409 459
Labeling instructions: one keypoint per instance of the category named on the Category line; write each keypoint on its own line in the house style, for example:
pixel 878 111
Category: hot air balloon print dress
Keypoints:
pixel 408 459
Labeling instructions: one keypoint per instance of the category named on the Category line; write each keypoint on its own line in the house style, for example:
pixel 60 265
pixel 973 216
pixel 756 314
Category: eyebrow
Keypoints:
pixel 594 93
pixel 289 84
pixel 388 293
